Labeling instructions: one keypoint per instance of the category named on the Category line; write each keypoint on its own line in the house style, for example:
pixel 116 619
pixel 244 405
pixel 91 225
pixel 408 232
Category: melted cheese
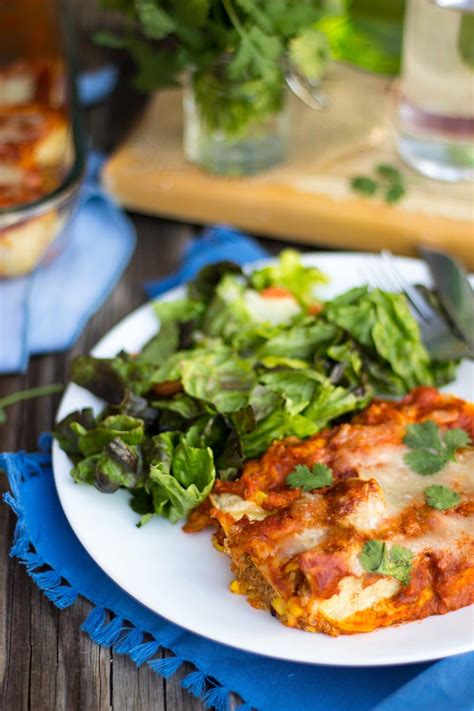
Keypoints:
pixel 237 507
pixel 353 597
pixel 307 550
pixel 403 487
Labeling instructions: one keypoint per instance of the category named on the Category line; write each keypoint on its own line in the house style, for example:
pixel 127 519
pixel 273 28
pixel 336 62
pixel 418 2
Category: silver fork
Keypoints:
pixel 439 340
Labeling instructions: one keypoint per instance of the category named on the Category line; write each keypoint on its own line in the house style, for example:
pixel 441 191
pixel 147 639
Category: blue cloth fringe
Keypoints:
pixel 143 652
pixel 166 667
pixel 217 698
pixel 132 638
pixel 195 683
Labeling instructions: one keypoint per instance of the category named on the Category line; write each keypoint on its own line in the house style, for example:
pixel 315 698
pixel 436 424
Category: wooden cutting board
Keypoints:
pixel 309 198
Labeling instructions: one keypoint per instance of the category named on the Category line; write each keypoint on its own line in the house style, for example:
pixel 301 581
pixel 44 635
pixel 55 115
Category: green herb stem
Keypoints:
pixel 229 8
pixel 29 394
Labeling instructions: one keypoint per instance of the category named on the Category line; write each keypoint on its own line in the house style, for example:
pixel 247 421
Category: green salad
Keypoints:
pixel 240 361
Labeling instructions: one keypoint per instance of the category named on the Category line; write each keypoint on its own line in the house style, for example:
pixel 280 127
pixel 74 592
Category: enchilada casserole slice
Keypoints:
pixel 341 533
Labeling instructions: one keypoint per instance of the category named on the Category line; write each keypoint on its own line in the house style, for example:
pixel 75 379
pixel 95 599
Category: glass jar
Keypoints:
pixel 42 151
pixel 436 107
pixel 228 131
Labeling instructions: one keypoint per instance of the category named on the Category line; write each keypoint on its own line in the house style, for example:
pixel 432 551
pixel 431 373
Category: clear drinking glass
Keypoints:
pixel 262 145
pixel 436 108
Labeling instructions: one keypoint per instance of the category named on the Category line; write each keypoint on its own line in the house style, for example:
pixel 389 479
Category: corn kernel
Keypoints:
pixel 237 588
pixel 294 608
pixel 278 605
pixel 260 497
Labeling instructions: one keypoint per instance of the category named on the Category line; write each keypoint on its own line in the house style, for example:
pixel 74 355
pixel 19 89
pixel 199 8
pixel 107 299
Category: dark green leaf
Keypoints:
pixel 189 408
pixel 364 185
pixel 441 497
pixel 302 477
pixel 136 406
pixel 226 384
pixel 455 439
pixel 394 193
pixel 118 465
pixel 156 22
pixel 395 561
pixel 93 441
pixel 430 450
pixel 67 437
pixel 103 377
pixel 296 387
pixel 204 285
pixel 299 341
pixel 388 172
pixel 161 346
pixel 372 555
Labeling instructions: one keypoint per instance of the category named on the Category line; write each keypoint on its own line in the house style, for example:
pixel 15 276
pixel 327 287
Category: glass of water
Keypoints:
pixel 435 131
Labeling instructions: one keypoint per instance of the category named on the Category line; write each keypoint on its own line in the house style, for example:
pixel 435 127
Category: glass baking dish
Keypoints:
pixel 42 151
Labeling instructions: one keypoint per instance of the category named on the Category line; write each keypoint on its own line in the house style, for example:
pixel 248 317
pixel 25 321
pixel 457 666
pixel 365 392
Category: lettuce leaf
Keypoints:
pixel 299 341
pixel 222 380
pixel 382 323
pixel 117 465
pixel 180 476
pixel 130 429
pixel 297 388
pixel 228 316
pixel 290 273
pixel 68 436
pixel 110 378
pixel 331 402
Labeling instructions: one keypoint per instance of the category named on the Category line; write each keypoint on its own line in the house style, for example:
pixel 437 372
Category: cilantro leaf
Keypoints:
pixel 302 477
pixel 395 561
pixel 364 185
pixel 372 555
pixel 430 450
pixel 155 21
pixel 389 172
pixel 394 193
pixel 455 439
pixel 309 52
pixel 441 497
pixel 388 179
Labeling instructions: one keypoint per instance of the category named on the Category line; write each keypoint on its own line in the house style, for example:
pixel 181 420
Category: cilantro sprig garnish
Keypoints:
pixel 441 497
pixel 395 561
pixel 302 477
pixel 430 449
pixel 387 180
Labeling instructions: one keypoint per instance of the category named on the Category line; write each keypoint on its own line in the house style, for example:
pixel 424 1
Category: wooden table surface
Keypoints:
pixel 46 663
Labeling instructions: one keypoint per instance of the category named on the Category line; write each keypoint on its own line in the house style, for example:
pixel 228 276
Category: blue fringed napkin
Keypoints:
pixel 43 538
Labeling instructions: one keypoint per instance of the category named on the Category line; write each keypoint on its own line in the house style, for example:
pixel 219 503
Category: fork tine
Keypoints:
pixel 435 332
pixel 425 311
pixel 388 283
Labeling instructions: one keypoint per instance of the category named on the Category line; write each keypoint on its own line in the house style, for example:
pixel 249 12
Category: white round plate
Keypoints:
pixel 186 580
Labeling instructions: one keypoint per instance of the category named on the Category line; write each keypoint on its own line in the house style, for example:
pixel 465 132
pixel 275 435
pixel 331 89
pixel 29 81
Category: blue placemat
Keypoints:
pixel 44 538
